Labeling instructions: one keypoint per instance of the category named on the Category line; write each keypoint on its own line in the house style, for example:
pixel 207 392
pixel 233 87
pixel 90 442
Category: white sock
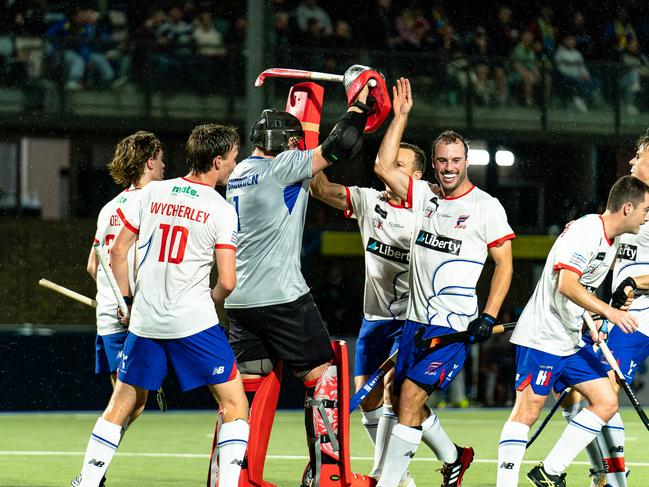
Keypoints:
pixel 103 442
pixel 403 445
pixel 613 434
pixel 595 448
pixel 370 420
pixel 233 441
pixel 511 450
pixel 581 430
pixel 437 440
pixel 386 422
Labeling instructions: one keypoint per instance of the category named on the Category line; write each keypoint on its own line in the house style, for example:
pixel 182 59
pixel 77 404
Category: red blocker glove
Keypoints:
pixel 354 79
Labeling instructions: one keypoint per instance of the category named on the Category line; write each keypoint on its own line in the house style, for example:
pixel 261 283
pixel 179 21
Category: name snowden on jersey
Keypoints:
pixel 249 180
pixel 180 211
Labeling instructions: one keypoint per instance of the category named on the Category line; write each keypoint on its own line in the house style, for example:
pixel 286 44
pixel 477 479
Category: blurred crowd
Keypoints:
pixel 523 53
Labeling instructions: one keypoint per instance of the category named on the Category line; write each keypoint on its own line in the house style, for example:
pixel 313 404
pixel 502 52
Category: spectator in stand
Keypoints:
pixel 284 38
pixel 341 41
pixel 145 41
pixel 451 56
pixel 485 73
pixel 619 32
pixel 174 42
pixel 636 73
pixel 544 30
pixel 120 52
pixel 573 75
pixel 81 40
pixel 585 43
pixel 525 65
pixel 503 35
pixel 210 53
pixel 414 30
pixel 310 10
pixel 377 26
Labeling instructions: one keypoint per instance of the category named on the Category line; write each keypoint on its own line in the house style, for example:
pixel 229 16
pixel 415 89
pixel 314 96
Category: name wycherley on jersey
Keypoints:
pixel 181 211
pixel 388 251
pixel 439 243
pixel 249 180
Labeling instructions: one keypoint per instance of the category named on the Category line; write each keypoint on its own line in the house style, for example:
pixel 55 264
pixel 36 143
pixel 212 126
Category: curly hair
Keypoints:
pixel 208 141
pixel 131 153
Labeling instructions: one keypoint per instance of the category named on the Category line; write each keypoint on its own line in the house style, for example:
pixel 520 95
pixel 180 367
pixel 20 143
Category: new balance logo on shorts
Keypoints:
pixel 543 378
pixel 96 463
pixel 218 370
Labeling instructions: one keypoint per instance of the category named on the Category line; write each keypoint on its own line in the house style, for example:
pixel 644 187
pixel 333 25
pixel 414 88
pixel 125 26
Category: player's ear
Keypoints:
pixel 150 163
pixel 417 175
pixel 216 162
pixel 628 208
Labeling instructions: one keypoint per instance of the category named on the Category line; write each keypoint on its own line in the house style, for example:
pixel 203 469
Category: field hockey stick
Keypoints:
pixel 372 382
pixel 547 419
pixel 460 336
pixel 616 368
pixel 68 292
pixel 103 261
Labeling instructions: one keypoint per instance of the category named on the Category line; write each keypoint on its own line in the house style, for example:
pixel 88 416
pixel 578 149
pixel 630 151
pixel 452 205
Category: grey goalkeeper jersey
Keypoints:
pixel 270 196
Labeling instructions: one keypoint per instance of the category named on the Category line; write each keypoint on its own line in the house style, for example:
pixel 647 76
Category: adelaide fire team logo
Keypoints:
pixel 460 223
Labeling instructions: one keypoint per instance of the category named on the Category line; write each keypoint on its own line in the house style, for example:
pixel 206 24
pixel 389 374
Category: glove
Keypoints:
pixel 619 296
pixel 480 328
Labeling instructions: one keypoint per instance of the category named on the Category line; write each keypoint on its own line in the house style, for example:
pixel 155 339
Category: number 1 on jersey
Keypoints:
pixel 235 200
pixel 176 231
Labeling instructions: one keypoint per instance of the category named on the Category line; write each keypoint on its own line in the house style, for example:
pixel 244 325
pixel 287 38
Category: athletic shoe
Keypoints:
pixel 452 473
pixel 407 481
pixel 597 478
pixel 540 478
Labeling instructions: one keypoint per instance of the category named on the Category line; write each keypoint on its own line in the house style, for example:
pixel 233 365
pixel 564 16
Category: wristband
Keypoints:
pixel 490 320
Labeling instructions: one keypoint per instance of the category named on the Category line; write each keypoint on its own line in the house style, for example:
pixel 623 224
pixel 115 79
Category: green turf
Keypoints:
pixel 46 449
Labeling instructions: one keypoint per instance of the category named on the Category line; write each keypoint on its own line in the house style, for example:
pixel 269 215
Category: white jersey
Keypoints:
pixel 449 247
pixel 386 231
pixel 633 260
pixel 551 322
pixel 180 223
pixel 109 223
pixel 270 196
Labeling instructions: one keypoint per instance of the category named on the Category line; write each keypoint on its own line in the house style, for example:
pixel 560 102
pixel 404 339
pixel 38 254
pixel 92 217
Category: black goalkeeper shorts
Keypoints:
pixel 293 332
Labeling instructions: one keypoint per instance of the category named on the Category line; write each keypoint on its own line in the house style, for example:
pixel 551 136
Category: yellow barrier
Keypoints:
pixel 348 244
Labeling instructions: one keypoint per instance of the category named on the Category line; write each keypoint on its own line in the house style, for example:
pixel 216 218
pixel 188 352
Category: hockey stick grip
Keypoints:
pixel 68 292
pixel 460 336
pixel 616 368
pixel 372 382
pixel 103 261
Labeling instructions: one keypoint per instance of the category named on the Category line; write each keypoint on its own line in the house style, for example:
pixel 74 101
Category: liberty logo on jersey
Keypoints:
pixel 439 243
pixel 188 190
pixel 461 220
pixel 387 251
pixel 627 252
pixel 543 377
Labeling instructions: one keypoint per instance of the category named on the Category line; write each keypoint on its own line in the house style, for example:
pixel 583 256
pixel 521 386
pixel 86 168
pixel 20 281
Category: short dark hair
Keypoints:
pixel 627 189
pixel 420 157
pixel 643 141
pixel 207 142
pixel 450 137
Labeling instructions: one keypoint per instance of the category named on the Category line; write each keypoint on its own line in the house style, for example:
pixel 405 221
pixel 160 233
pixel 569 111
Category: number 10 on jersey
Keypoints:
pixel 178 236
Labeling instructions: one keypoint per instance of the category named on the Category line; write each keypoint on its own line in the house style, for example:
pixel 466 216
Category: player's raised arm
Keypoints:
pixel 385 166
pixel 331 193
pixel 571 288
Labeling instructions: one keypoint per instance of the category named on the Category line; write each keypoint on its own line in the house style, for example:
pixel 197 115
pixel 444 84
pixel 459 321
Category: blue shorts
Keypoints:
pixel 630 350
pixel 377 340
pixel 199 359
pixel 435 369
pixel 543 371
pixel 108 352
